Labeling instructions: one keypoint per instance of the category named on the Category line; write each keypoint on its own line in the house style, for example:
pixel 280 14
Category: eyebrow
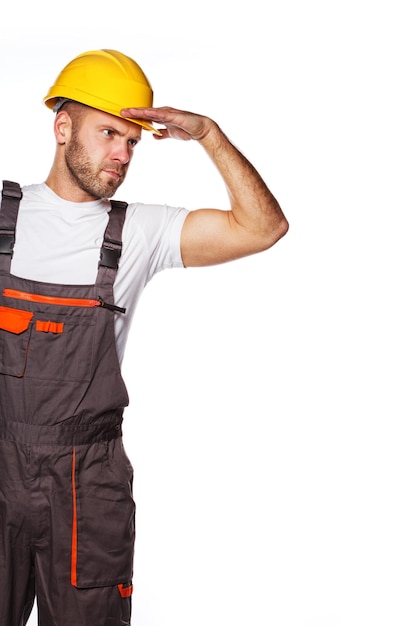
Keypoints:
pixel 119 132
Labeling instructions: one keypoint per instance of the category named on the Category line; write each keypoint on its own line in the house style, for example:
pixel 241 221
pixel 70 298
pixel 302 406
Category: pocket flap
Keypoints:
pixel 14 320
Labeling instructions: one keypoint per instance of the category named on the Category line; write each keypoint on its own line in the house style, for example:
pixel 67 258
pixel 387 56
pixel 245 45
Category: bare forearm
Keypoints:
pixel 252 204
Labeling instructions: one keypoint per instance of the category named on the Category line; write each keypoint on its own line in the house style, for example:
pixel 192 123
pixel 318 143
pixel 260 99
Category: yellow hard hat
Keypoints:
pixel 106 80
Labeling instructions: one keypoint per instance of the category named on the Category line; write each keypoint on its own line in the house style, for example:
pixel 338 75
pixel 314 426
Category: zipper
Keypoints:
pixel 77 302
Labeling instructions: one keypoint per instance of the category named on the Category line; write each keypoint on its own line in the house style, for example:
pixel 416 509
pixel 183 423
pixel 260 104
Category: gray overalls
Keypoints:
pixel 66 507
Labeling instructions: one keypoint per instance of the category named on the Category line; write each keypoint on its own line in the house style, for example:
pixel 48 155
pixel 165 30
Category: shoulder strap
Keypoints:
pixel 10 201
pixel 111 248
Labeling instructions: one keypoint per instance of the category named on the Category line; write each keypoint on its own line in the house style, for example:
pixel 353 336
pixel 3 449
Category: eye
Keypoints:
pixel 132 142
pixel 108 132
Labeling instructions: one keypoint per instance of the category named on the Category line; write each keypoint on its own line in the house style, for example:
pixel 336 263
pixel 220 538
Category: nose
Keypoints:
pixel 122 152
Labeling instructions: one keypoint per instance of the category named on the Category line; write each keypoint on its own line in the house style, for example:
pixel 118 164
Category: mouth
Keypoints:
pixel 113 174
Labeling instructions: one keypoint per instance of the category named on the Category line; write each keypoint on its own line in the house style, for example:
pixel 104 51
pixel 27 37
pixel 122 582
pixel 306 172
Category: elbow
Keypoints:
pixel 277 227
pixel 277 232
pixel 282 229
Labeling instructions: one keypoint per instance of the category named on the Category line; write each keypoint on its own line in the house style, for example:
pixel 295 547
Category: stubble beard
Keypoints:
pixel 86 175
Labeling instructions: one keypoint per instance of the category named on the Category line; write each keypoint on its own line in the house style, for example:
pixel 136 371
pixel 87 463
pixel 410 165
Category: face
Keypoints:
pixel 99 152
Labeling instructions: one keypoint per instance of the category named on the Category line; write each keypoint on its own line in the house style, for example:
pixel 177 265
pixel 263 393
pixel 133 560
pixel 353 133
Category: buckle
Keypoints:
pixel 7 242
pixel 110 253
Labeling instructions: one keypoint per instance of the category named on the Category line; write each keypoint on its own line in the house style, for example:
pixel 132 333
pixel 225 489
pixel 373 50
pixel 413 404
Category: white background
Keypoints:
pixel 272 423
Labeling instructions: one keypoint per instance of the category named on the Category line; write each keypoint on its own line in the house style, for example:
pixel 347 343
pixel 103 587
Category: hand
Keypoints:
pixel 178 124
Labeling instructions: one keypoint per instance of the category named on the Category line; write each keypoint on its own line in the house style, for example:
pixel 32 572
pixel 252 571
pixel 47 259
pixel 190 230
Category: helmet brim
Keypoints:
pixel 51 101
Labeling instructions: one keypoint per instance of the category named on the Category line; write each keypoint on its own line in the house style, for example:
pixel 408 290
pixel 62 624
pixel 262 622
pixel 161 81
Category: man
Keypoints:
pixel 72 266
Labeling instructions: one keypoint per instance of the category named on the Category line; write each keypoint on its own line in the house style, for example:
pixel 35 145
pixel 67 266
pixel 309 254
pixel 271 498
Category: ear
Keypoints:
pixel 62 127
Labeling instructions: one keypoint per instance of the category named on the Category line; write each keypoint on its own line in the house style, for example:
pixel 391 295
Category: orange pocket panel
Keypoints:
pixel 14 320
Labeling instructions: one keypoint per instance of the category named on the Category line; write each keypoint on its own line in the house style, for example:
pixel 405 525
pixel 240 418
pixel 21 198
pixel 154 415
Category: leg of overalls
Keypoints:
pixel 37 533
pixel 60 601
pixel 37 522
pixel 17 588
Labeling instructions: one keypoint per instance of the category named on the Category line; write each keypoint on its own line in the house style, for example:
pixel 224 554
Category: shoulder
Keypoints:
pixel 153 231
pixel 38 190
pixel 154 218
pixel 155 213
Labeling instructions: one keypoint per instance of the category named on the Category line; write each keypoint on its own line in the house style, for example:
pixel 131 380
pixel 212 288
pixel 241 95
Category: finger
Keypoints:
pixel 138 113
pixel 162 134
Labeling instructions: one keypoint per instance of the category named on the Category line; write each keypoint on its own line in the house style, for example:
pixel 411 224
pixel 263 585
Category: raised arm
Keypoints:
pixel 255 220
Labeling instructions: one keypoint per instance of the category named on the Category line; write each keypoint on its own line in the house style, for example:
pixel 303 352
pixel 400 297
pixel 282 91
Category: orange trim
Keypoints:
pixel 74 524
pixel 49 327
pixel 125 592
pixel 33 297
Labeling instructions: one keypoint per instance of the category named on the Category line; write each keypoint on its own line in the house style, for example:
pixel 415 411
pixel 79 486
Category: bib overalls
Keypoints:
pixel 66 507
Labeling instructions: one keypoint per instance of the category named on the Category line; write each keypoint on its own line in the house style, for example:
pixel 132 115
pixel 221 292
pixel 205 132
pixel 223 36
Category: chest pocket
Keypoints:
pixel 15 330
pixel 53 341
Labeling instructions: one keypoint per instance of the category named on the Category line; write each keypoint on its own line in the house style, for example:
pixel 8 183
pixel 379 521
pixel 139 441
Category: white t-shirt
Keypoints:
pixel 59 242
